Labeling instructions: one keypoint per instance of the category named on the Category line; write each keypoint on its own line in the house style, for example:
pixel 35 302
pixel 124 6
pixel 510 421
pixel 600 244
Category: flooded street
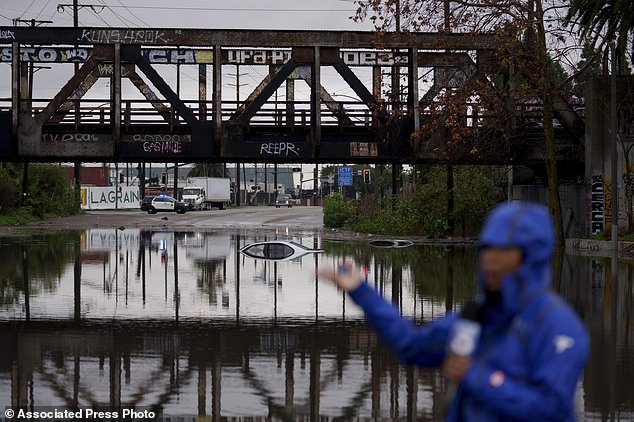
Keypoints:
pixel 183 323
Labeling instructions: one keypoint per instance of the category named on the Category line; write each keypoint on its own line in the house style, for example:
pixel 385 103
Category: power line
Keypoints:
pixel 219 9
pixel 133 14
pixel 42 10
pixel 27 9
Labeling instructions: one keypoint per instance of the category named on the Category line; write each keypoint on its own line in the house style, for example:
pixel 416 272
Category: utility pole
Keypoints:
pixel 77 163
pixel 396 75
pixel 450 181
pixel 28 104
pixel 237 184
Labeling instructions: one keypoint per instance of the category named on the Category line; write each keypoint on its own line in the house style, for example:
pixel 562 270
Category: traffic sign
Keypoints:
pixel 345 176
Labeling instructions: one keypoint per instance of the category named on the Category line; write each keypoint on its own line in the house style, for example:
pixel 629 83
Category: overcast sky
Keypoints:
pixel 257 14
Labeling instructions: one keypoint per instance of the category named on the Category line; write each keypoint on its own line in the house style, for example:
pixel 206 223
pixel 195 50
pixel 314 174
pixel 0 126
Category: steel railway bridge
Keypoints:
pixel 370 126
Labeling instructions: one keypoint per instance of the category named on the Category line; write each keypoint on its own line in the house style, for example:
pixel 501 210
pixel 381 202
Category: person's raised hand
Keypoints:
pixel 347 276
pixel 455 367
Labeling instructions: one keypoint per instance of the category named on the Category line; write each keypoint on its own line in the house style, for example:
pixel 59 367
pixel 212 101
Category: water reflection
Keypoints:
pixel 186 324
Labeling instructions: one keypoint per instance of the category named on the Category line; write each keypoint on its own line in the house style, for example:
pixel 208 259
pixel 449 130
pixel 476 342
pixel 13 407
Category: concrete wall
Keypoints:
pixel 573 204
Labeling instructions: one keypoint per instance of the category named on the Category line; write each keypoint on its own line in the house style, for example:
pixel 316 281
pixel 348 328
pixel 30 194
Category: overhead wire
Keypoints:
pixel 125 21
pixel 27 9
pixel 228 9
pixel 134 14
pixel 42 10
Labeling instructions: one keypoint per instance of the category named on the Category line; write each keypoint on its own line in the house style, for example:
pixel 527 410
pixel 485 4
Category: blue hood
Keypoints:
pixel 528 226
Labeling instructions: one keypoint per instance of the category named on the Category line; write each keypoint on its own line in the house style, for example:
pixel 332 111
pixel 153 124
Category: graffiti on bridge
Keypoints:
pixel 69 137
pixel 7 34
pixel 283 149
pixel 123 36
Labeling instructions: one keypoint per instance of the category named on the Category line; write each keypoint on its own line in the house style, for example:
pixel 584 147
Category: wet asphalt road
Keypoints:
pixel 296 218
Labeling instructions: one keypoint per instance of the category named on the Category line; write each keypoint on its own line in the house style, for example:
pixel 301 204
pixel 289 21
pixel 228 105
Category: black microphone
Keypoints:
pixel 463 339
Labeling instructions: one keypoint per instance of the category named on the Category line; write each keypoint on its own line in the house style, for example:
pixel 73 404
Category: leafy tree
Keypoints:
pixel 531 39
pixel 207 170
pixel 591 64
pixel 602 21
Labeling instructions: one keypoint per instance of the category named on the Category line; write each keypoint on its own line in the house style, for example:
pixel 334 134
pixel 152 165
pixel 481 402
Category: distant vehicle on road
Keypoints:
pixel 283 200
pixel 166 203
pixel 277 250
pixel 146 201
pixel 202 193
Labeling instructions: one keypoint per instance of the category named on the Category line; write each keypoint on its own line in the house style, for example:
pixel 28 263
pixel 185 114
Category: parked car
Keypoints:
pixel 283 200
pixel 146 201
pixel 166 203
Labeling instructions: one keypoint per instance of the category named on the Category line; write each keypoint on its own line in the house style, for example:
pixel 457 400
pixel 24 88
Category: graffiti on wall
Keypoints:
pixel 597 213
pixel 607 198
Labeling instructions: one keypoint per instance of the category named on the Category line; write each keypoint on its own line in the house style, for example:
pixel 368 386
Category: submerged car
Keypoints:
pixel 396 243
pixel 283 200
pixel 166 203
pixel 277 250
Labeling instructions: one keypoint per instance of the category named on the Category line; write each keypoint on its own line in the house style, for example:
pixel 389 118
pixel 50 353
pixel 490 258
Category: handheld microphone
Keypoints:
pixel 465 332
pixel 463 340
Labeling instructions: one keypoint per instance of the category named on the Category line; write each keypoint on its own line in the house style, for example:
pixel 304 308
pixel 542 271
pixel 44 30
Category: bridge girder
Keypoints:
pixel 370 129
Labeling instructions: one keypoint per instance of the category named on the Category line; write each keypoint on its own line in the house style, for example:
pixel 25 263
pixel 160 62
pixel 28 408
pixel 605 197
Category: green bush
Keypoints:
pixel 8 196
pixel 421 209
pixel 337 211
pixel 50 191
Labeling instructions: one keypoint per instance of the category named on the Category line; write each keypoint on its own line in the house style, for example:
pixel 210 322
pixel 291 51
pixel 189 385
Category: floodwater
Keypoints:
pixel 184 324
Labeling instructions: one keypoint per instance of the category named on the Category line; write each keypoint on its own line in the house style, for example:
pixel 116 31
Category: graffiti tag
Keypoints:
pixel 123 36
pixel 69 137
pixel 7 34
pixel 163 147
pixel 279 148
pixel 597 214
pixel 158 138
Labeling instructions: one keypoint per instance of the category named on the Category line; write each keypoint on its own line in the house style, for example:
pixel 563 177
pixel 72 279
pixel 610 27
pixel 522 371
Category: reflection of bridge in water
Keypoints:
pixel 245 370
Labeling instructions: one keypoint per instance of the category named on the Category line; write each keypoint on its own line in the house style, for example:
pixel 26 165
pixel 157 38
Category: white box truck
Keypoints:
pixel 203 193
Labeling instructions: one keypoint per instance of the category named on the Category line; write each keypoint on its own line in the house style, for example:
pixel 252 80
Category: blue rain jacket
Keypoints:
pixel 533 347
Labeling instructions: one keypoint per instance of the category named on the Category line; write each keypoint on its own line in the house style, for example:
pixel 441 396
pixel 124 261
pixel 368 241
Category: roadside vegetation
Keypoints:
pixel 50 194
pixel 421 207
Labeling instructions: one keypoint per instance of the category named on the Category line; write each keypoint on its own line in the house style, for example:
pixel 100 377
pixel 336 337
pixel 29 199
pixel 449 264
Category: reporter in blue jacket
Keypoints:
pixel 532 347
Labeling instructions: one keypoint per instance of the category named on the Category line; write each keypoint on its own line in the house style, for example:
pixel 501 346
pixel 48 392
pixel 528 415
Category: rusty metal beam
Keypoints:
pixel 99 54
pixel 149 95
pixel 15 91
pixel 202 92
pixel 217 98
pixel 267 91
pixel 187 37
pixel 240 56
pixel 315 104
pixel 290 104
pixel 116 96
pixel 134 54
pixel 412 94
pixel 257 91
pixel 359 88
pixel 333 105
